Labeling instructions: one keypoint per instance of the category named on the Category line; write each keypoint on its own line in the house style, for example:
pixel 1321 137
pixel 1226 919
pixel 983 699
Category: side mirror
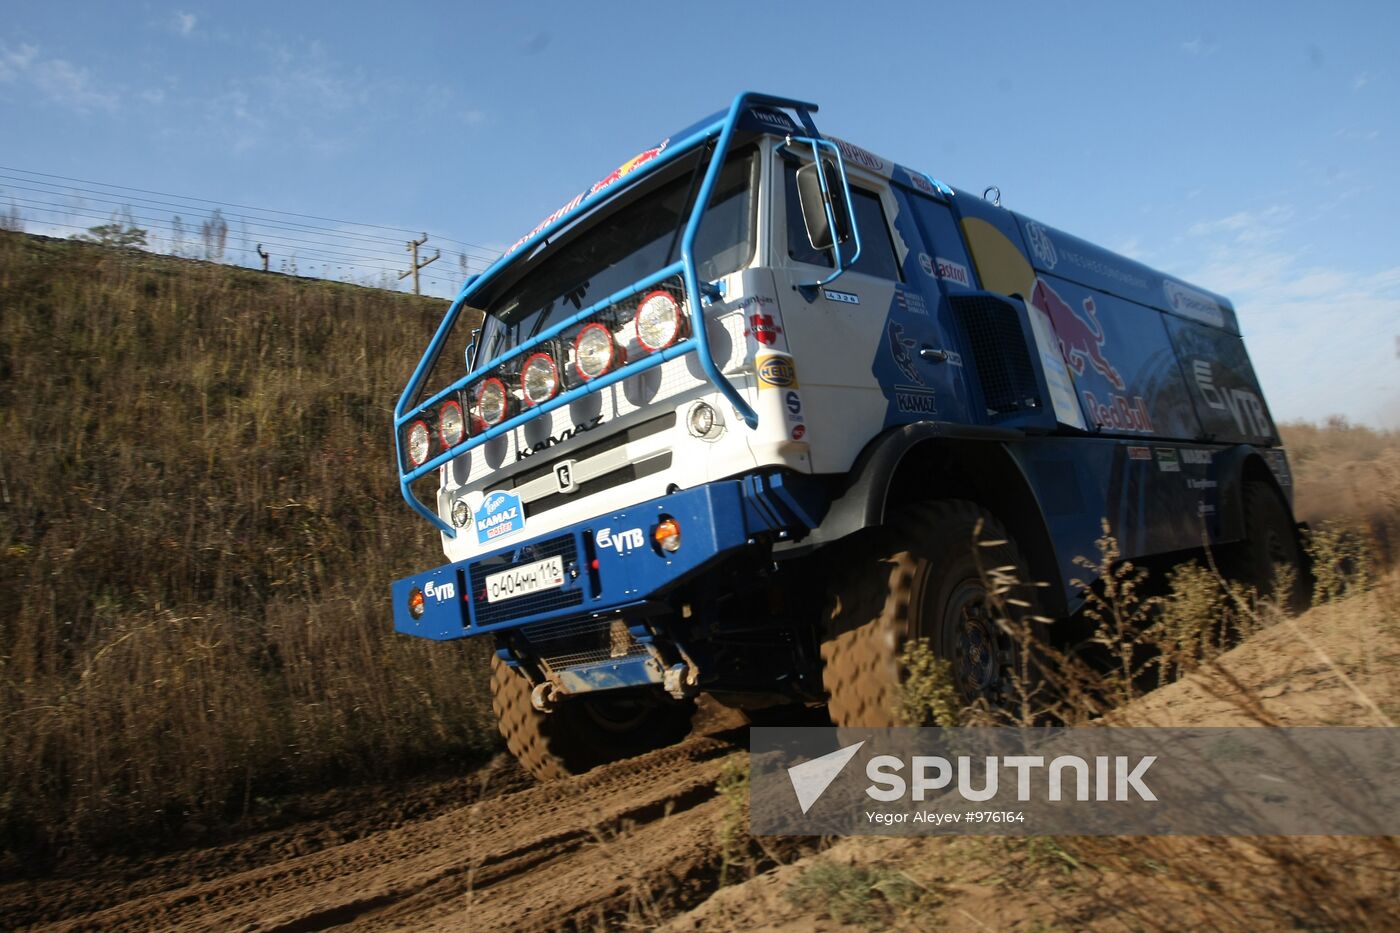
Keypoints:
pixel 820 208
pixel 471 347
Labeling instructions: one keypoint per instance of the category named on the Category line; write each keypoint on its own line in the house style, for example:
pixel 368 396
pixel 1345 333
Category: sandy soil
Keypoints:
pixel 639 843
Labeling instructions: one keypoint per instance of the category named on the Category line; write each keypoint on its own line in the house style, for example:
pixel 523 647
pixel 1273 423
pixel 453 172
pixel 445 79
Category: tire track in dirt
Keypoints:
pixel 543 857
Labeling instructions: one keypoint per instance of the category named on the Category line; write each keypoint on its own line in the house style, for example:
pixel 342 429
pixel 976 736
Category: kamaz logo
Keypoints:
pixel 563 436
pixel 441 592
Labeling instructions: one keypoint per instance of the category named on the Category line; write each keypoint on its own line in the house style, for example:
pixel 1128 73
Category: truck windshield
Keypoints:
pixel 636 237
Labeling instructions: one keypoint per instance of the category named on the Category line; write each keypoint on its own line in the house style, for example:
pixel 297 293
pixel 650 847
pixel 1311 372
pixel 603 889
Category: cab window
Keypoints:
pixel 876 248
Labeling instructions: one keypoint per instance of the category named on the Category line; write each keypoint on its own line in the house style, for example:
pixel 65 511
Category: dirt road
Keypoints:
pixel 605 846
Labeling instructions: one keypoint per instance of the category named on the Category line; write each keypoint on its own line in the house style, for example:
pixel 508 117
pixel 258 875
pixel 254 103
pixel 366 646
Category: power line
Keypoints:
pixel 326 250
pixel 246 207
pixel 295 254
pixel 327 232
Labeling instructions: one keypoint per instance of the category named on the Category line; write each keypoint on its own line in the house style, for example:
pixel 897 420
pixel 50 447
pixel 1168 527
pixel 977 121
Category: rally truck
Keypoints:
pixel 726 421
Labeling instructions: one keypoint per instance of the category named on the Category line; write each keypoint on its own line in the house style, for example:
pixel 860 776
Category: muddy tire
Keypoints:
pixel 1271 541
pixel 918 577
pixel 583 732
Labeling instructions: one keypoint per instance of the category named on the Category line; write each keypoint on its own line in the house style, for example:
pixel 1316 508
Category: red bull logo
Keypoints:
pixel 628 167
pixel 1119 414
pixel 1081 336
pixel 622 171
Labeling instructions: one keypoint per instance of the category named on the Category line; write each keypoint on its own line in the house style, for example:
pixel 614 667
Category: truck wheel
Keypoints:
pixel 1270 541
pixel 582 732
pixel 918 577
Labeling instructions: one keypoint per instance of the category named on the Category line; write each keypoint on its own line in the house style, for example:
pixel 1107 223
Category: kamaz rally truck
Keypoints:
pixel 731 415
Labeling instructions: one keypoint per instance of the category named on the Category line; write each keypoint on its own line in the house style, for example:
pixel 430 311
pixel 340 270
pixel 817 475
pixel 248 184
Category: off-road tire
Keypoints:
pixel 1270 540
pixel 571 739
pixel 898 582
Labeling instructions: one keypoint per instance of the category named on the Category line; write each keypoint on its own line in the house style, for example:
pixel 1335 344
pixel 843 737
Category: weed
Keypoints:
pixel 927 695
pixel 733 788
pixel 868 896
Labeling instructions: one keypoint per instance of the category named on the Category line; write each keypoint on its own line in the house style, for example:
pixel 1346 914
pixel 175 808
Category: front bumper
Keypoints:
pixel 611 565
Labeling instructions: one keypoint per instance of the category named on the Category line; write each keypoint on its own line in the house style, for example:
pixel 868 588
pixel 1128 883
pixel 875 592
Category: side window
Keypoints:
pixel 876 249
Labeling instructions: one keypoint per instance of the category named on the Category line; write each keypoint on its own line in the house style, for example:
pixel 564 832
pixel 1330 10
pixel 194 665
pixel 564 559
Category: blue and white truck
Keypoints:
pixel 733 412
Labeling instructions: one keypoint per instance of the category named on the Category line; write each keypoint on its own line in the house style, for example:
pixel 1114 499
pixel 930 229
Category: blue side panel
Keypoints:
pixel 1121 360
pixel 1224 389
pixel 1068 257
pixel 1160 496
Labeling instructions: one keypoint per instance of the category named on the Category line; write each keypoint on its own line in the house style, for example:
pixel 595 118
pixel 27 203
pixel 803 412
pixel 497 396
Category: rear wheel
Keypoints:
pixel 1270 554
pixel 582 732
pixel 920 577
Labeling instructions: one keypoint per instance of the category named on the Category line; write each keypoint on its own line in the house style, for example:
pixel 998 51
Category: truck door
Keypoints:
pixel 849 343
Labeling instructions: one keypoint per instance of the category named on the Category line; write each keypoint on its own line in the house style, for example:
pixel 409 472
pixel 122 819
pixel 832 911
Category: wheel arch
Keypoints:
pixel 938 460
pixel 1236 466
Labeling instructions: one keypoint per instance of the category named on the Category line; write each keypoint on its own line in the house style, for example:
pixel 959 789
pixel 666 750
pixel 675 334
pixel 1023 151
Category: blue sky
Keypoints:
pixel 1249 147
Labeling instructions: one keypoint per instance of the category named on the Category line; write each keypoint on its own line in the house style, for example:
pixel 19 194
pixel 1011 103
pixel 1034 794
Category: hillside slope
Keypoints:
pixel 198 525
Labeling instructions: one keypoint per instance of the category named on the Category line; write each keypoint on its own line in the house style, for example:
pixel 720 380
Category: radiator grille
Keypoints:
pixel 544 601
pixel 1000 354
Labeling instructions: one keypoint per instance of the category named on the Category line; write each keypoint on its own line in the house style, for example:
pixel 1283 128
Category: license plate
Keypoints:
pixel 547 574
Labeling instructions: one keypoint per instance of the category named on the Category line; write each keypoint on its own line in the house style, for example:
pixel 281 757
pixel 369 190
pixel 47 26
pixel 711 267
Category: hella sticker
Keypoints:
pixel 776 372
pixel 500 514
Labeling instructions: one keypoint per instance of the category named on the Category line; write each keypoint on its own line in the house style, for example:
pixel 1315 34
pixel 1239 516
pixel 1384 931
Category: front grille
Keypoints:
pixel 627 474
pixel 563 645
pixel 635 433
pixel 544 601
pixel 999 353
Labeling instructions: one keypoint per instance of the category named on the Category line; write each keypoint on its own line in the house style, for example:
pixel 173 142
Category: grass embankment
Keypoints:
pixel 198 526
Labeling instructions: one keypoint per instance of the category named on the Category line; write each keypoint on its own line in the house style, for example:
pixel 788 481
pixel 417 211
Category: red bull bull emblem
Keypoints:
pixel 1081 336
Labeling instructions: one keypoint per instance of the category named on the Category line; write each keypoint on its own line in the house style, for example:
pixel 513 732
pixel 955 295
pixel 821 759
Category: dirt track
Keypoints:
pixel 599 847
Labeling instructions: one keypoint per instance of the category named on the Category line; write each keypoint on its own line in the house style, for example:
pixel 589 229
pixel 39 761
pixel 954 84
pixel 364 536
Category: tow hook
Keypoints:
pixel 543 696
pixel 680 681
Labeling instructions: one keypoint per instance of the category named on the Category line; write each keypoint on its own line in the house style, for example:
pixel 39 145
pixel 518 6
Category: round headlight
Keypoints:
pixel 451 427
pixel 419 443
pixel 702 420
pixel 491 401
pixel 595 351
pixel 539 379
pixel 658 321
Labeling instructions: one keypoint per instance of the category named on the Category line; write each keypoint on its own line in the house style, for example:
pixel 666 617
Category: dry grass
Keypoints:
pixel 1348 476
pixel 198 526
pixel 1165 883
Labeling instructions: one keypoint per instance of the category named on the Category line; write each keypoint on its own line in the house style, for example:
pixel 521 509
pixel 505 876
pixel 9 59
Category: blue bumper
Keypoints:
pixel 611 564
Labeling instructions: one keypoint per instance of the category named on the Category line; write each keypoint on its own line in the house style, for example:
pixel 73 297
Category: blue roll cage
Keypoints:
pixel 698 341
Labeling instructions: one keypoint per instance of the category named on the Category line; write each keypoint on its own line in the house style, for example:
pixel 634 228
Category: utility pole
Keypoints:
pixel 412 247
pixel 264 256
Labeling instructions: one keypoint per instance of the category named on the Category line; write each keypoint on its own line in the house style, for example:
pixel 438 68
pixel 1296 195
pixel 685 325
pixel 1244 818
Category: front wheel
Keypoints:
pixel 921 576
pixel 582 732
